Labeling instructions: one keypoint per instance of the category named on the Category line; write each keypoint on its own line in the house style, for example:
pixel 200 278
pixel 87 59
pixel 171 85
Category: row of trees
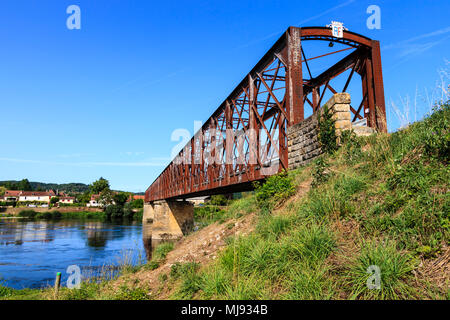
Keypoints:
pixel 23 185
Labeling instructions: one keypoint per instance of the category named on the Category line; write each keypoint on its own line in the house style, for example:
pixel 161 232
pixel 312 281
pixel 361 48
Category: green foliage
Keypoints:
pixel 206 215
pixel 437 136
pixel 27 213
pixel 137 204
pixel 395 267
pixel 151 265
pixel 99 186
pixel 2 191
pixel 310 283
pixel 55 215
pixel 242 206
pixel 162 250
pixel 321 172
pixel 136 293
pixel 54 200
pixel 83 197
pixel 218 200
pixel 106 197
pixel 114 212
pixel 191 281
pixel 310 244
pixel 276 189
pixel 351 147
pixel 128 212
pixel 138 215
pixel 120 198
pixel 7 203
pixel 272 227
pixel 327 131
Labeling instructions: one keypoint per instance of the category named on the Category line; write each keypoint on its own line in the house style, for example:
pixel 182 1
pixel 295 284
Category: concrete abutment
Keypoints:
pixel 169 219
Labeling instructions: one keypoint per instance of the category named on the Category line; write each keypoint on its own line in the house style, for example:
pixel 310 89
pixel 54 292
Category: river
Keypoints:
pixel 32 252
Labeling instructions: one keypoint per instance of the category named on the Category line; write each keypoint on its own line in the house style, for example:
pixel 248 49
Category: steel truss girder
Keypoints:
pixel 245 138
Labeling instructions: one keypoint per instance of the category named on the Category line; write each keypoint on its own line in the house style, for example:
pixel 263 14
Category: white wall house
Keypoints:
pixel 94 201
pixel 35 196
pixel 68 200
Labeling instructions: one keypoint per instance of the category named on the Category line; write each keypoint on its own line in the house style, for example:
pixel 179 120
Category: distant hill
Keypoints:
pixel 66 187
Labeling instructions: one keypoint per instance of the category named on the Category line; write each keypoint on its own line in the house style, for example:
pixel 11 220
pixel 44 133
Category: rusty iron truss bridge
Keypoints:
pixel 245 138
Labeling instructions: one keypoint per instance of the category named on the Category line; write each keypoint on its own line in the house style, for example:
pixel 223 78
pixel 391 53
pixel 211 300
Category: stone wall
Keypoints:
pixel 303 140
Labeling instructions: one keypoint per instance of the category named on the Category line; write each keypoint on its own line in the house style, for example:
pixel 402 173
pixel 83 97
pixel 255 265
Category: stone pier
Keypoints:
pixel 169 219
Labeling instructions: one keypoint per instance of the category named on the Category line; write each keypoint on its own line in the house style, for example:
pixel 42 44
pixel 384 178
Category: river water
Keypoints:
pixel 32 252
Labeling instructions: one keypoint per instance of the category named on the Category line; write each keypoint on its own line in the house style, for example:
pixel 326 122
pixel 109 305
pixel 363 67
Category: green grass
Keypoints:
pixel 395 268
pixel 393 187
pixel 162 250
pixel 378 201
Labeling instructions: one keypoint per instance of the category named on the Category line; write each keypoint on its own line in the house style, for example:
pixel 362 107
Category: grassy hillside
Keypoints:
pixel 378 203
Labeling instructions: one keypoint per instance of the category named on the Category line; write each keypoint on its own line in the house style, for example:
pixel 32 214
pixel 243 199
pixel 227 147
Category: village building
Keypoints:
pixel 66 200
pixel 41 196
pixel 94 201
pixel 11 195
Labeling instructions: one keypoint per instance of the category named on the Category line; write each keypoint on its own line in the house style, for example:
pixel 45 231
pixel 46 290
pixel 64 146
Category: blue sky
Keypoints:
pixel 104 100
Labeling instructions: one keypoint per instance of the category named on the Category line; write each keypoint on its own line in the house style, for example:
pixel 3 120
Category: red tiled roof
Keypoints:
pixel 12 193
pixel 136 197
pixel 67 198
pixel 95 196
pixel 35 193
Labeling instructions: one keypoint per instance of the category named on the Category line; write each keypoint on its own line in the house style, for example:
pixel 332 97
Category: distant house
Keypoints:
pixel 11 195
pixel 66 200
pixel 42 196
pixel 94 201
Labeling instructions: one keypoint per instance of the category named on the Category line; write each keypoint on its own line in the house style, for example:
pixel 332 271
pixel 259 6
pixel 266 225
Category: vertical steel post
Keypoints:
pixel 294 78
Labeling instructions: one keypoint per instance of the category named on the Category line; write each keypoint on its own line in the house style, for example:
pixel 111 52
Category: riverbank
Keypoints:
pixel 14 211
pixel 318 232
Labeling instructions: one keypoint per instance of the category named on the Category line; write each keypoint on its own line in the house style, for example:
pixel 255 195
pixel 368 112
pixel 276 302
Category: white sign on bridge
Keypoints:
pixel 337 29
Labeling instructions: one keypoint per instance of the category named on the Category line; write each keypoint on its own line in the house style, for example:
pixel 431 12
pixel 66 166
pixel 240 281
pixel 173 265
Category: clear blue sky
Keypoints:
pixel 103 101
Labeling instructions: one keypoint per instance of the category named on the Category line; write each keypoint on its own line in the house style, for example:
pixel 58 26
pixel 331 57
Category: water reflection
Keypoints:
pixel 147 239
pixel 31 252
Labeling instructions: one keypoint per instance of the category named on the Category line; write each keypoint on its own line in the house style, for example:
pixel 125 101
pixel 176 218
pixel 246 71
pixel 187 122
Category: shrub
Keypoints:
pixel 395 268
pixel 114 212
pixel 327 131
pixel 320 172
pixel 137 204
pixel 218 200
pixel 276 189
pixel 128 212
pixel 27 213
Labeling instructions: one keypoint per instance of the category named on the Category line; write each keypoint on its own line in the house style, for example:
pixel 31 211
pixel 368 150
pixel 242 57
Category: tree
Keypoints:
pixel 54 200
pixel 83 197
pixel 24 185
pixel 2 191
pixel 121 198
pixel 106 197
pixel 100 185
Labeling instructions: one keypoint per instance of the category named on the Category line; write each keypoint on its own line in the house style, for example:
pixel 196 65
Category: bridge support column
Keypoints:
pixel 170 219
